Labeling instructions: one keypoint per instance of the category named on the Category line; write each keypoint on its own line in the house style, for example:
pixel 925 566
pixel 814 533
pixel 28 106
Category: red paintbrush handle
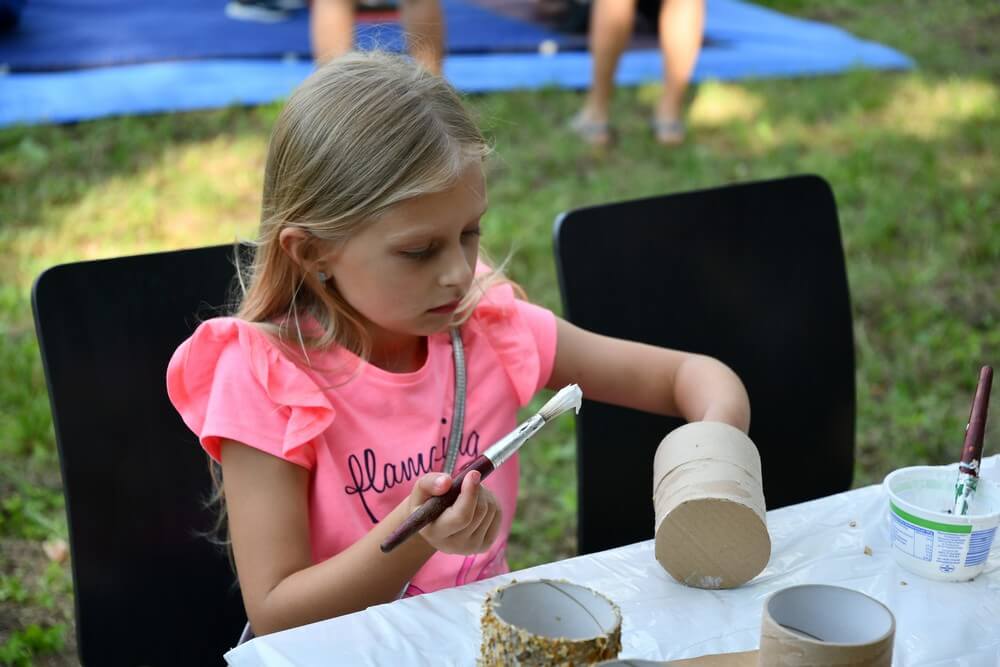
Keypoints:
pixel 433 507
pixel 972 448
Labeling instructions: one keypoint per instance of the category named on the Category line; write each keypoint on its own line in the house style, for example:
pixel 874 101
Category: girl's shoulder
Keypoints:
pixel 504 306
pixel 522 334
pixel 227 341
pixel 229 345
pixel 228 357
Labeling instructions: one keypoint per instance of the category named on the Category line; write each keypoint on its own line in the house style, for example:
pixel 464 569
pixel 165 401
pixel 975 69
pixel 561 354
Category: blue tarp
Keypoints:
pixel 81 59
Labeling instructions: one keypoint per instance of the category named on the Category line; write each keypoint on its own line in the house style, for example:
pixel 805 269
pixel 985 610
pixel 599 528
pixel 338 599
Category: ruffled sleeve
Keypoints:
pixel 523 336
pixel 229 381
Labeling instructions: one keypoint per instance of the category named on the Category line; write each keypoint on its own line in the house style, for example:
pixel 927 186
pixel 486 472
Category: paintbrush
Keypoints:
pixel 569 397
pixel 972 448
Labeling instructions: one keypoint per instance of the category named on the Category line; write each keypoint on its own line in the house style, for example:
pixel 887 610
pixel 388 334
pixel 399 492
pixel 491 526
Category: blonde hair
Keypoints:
pixel 360 135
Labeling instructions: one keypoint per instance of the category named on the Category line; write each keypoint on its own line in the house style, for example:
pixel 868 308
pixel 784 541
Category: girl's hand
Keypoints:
pixel 467 527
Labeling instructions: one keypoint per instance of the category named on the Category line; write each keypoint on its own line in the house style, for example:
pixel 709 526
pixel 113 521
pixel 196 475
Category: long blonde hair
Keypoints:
pixel 360 135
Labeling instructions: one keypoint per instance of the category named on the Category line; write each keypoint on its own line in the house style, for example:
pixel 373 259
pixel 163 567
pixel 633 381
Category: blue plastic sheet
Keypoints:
pixel 73 60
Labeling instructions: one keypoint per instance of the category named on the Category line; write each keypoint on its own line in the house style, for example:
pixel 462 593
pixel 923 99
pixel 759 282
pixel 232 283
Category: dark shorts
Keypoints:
pixel 576 17
pixel 650 11
pixel 10 13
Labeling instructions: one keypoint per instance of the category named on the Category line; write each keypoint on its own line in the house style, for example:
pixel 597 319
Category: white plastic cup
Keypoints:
pixel 926 538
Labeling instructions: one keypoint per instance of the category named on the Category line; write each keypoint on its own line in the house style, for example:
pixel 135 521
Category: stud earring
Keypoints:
pixel 321 276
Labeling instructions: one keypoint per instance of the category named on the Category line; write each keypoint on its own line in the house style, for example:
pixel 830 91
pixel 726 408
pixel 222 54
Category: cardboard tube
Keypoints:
pixel 548 622
pixel 715 479
pixel 711 517
pixel 812 625
pixel 825 626
pixel 707 440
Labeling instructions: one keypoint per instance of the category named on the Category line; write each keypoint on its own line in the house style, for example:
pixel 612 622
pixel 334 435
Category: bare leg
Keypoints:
pixel 424 25
pixel 331 25
pixel 682 24
pixel 611 24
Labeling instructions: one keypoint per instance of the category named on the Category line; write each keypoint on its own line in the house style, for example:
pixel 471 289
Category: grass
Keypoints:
pixel 912 158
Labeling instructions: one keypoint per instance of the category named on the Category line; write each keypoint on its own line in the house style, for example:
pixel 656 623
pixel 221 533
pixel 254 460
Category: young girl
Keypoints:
pixel 328 398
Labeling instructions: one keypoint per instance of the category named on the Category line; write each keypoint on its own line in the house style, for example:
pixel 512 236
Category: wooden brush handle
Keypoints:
pixel 433 507
pixel 972 448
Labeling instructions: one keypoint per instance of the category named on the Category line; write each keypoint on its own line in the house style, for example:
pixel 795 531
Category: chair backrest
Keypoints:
pixel 752 274
pixel 150 588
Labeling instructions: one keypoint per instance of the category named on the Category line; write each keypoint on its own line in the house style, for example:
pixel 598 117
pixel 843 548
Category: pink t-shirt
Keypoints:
pixel 365 441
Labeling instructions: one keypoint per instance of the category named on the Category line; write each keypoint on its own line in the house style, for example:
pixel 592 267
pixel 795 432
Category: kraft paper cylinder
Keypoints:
pixel 547 622
pixel 825 626
pixel 707 440
pixel 711 517
pixel 812 625
pixel 742 659
pixel 724 480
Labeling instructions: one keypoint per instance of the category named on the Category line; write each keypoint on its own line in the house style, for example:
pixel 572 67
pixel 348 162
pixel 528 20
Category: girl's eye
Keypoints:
pixel 422 253
pixel 471 233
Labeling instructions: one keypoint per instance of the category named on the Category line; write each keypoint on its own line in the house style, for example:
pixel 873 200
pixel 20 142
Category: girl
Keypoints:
pixel 328 398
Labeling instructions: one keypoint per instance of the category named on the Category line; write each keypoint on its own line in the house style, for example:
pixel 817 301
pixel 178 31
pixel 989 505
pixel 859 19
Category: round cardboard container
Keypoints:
pixel 711 518
pixel 825 626
pixel 707 441
pixel 927 539
pixel 547 622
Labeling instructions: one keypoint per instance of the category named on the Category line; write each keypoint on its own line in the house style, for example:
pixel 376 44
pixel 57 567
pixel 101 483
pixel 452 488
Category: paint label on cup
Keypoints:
pixel 948 546
pixel 979 546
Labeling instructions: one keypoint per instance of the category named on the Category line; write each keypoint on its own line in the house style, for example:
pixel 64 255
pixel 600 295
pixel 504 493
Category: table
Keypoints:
pixel 841 540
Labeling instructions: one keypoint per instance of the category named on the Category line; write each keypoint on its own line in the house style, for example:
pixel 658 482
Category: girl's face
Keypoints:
pixel 406 271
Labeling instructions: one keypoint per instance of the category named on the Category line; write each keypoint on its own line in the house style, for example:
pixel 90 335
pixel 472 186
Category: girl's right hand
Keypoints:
pixel 467 527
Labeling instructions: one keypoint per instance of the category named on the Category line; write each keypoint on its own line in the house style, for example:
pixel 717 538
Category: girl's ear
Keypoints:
pixel 298 245
pixel 310 254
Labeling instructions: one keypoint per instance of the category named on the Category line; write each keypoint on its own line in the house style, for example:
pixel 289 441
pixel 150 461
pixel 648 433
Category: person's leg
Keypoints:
pixel 424 25
pixel 682 23
pixel 331 27
pixel 611 23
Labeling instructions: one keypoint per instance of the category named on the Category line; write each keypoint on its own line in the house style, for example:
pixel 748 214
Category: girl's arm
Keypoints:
pixel 266 500
pixel 649 378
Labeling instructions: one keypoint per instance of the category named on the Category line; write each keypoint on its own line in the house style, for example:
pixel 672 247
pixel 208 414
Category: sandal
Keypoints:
pixel 594 133
pixel 668 132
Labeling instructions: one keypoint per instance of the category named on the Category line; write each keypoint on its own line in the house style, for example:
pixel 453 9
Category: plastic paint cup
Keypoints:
pixel 926 538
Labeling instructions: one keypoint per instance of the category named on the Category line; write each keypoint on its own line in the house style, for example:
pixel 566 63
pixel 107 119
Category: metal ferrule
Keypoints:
pixel 505 447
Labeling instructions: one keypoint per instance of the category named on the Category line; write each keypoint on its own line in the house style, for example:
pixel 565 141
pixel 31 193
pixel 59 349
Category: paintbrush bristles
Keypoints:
pixel 569 397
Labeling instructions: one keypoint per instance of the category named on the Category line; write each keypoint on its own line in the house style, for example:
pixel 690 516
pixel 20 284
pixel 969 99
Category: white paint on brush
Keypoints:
pixel 569 397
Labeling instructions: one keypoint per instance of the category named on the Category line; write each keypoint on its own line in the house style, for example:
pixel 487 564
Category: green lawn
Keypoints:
pixel 912 158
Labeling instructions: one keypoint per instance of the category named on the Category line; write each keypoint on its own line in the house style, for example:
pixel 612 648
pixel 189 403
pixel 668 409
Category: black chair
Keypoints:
pixel 752 274
pixel 150 588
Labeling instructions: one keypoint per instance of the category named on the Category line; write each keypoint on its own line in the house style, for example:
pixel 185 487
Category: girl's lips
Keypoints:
pixel 446 308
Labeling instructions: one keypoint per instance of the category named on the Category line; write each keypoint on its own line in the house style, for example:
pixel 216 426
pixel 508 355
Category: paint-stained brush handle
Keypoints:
pixel 433 507
pixel 972 448
pixel 568 398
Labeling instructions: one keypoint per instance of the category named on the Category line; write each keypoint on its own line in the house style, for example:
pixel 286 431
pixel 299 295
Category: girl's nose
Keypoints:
pixel 458 270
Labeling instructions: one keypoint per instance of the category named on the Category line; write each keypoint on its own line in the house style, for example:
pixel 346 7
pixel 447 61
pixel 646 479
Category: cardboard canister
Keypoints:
pixel 708 499
pixel 813 625
pixel 547 622
pixel 825 626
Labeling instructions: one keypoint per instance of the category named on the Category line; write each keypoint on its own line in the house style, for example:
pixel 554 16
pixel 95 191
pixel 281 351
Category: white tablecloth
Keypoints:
pixel 841 540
